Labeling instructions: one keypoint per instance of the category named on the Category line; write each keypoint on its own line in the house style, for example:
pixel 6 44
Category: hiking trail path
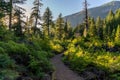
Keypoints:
pixel 62 72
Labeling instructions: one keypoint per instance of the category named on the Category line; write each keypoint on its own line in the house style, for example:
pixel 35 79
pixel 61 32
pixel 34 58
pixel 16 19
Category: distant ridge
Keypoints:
pixel 101 11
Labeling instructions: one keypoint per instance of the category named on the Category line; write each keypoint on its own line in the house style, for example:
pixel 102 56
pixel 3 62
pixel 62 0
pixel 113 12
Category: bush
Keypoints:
pixel 18 52
pixel 30 58
pixel 56 47
pixel 16 48
pixel 5 35
pixel 40 66
pixel 6 62
pixel 7 74
pixel 39 44
pixel 2 51
pixel 92 56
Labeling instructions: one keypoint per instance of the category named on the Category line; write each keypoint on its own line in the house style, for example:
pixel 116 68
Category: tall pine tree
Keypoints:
pixel 92 28
pixel 59 26
pixel 11 9
pixel 99 27
pixel 117 35
pixel 36 13
pixel 110 23
pixel 117 18
pixel 47 20
pixel 19 15
pixel 86 18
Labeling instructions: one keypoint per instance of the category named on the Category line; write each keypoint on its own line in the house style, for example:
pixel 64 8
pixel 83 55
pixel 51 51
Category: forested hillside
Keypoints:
pixel 94 12
pixel 27 44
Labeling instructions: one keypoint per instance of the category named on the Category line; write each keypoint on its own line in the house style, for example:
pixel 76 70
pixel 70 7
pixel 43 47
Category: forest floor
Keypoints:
pixel 62 72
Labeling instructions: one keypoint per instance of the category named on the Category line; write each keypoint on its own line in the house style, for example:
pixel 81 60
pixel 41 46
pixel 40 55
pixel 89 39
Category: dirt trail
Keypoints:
pixel 62 71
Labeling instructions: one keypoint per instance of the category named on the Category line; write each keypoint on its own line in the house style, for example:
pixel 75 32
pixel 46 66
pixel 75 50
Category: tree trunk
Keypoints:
pixel 10 16
pixel 86 18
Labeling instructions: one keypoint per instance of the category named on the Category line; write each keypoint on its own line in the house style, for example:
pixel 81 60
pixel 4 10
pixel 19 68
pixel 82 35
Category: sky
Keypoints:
pixel 66 7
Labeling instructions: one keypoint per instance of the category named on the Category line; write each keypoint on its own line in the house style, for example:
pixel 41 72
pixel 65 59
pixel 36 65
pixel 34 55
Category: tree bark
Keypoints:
pixel 10 16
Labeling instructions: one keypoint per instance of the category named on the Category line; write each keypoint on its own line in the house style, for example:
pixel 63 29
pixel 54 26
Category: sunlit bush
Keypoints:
pixel 111 44
pixel 93 55
pixel 56 47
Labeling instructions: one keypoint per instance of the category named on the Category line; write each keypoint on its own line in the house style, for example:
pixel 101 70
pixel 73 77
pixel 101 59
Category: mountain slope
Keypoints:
pixel 101 11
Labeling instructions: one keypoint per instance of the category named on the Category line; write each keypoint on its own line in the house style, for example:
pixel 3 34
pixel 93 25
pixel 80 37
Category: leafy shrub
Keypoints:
pixel 6 62
pixel 56 47
pixel 31 56
pixel 5 35
pixel 7 74
pixel 40 66
pixel 82 56
pixel 115 76
pixel 35 68
pixel 2 51
pixel 41 44
pixel 17 48
pixel 18 52
pixel 12 48
pixel 110 44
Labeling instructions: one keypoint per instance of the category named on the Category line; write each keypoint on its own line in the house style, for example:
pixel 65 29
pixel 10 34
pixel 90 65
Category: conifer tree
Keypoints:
pixel 11 8
pixel 117 35
pixel 1 12
pixel 10 15
pixel 99 27
pixel 117 18
pixel 47 20
pixel 113 35
pixel 3 8
pixel 66 29
pixel 70 33
pixel 52 30
pixel 110 23
pixel 92 28
pixel 19 15
pixel 98 23
pixel 59 26
pixel 36 13
pixel 86 18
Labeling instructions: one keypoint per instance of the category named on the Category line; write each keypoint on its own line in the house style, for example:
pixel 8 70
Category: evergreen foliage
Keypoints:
pixel 117 35
pixel 47 18
pixel 36 14
pixel 59 26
